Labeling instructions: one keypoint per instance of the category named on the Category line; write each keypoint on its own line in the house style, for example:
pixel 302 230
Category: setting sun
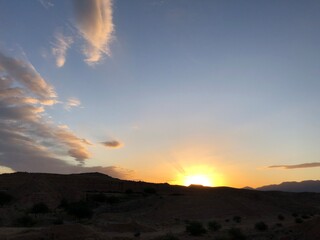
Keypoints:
pixel 203 175
pixel 198 180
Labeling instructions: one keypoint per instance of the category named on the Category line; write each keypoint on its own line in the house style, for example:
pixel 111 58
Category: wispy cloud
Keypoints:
pixel 94 23
pixel 30 141
pixel 71 103
pixel 46 3
pixel 24 73
pixel 60 47
pixel 24 95
pixel 112 144
pixel 302 165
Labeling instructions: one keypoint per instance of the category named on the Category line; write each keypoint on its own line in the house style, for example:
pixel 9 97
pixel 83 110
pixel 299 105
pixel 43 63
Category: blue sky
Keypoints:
pixel 159 90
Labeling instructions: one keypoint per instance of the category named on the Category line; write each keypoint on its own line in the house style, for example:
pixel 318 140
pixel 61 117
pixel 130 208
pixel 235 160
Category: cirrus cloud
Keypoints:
pixel 295 166
pixel 94 23
pixel 60 47
pixel 71 103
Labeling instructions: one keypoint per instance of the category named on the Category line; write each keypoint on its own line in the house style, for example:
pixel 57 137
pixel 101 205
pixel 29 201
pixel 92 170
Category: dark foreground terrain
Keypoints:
pixel 93 206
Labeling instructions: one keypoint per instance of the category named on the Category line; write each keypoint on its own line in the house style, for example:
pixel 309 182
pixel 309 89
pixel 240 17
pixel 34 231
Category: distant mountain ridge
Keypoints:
pixel 304 186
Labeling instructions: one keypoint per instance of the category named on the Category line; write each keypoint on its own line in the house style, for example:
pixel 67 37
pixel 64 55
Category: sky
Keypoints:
pixel 222 93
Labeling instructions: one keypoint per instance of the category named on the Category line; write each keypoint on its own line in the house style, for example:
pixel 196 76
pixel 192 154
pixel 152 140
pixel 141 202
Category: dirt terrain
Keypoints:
pixel 91 206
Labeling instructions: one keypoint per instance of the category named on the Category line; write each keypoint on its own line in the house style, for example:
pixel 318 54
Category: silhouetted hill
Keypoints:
pixel 248 188
pixel 30 188
pixel 304 186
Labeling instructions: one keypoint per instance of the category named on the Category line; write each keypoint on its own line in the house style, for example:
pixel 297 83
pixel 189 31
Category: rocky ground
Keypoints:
pixel 95 206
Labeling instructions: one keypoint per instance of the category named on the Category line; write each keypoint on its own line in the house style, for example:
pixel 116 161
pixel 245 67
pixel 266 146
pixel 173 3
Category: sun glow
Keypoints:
pixel 198 180
pixel 196 166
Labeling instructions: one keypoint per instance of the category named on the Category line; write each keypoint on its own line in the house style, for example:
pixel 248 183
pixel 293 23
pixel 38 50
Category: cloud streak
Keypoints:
pixel 24 73
pixel 295 166
pixel 46 3
pixel 112 144
pixel 22 113
pixel 60 47
pixel 94 23
pixel 71 103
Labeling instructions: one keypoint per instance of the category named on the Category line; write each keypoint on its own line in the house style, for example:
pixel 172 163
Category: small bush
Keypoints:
pixel 195 228
pixel 80 210
pixel 168 236
pixel 150 190
pixel 112 200
pixel 214 226
pixel 58 221
pixel 261 226
pixel 99 197
pixel 40 208
pixel 305 216
pixel 221 238
pixel 5 198
pixel 129 191
pixel 281 217
pixel 236 234
pixel 295 214
pixel 237 219
pixel 279 225
pixel 298 220
pixel 24 221
pixel 64 204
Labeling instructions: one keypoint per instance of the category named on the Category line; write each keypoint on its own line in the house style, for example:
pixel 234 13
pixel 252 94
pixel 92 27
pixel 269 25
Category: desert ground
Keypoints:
pixel 94 206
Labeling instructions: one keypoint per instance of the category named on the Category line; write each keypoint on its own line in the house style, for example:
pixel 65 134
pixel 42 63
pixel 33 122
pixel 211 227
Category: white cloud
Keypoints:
pixel 71 103
pixel 46 3
pixel 61 45
pixel 94 23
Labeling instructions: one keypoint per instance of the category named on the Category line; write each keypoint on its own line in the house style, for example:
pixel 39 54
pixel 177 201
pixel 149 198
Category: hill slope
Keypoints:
pixel 304 186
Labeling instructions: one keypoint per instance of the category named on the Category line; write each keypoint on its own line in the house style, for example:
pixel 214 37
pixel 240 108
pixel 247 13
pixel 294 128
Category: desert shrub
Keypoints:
pixel 24 221
pixel 150 190
pixel 63 204
pixel 5 198
pixel 305 216
pixel 227 220
pixel 280 217
pixel 129 191
pixel 261 226
pixel 195 228
pixel 236 234
pixel 58 221
pixel 237 219
pixel 168 236
pixel 214 226
pixel 279 225
pixel 112 200
pixel 295 214
pixel 298 220
pixel 99 197
pixel 221 238
pixel 80 210
pixel 40 208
